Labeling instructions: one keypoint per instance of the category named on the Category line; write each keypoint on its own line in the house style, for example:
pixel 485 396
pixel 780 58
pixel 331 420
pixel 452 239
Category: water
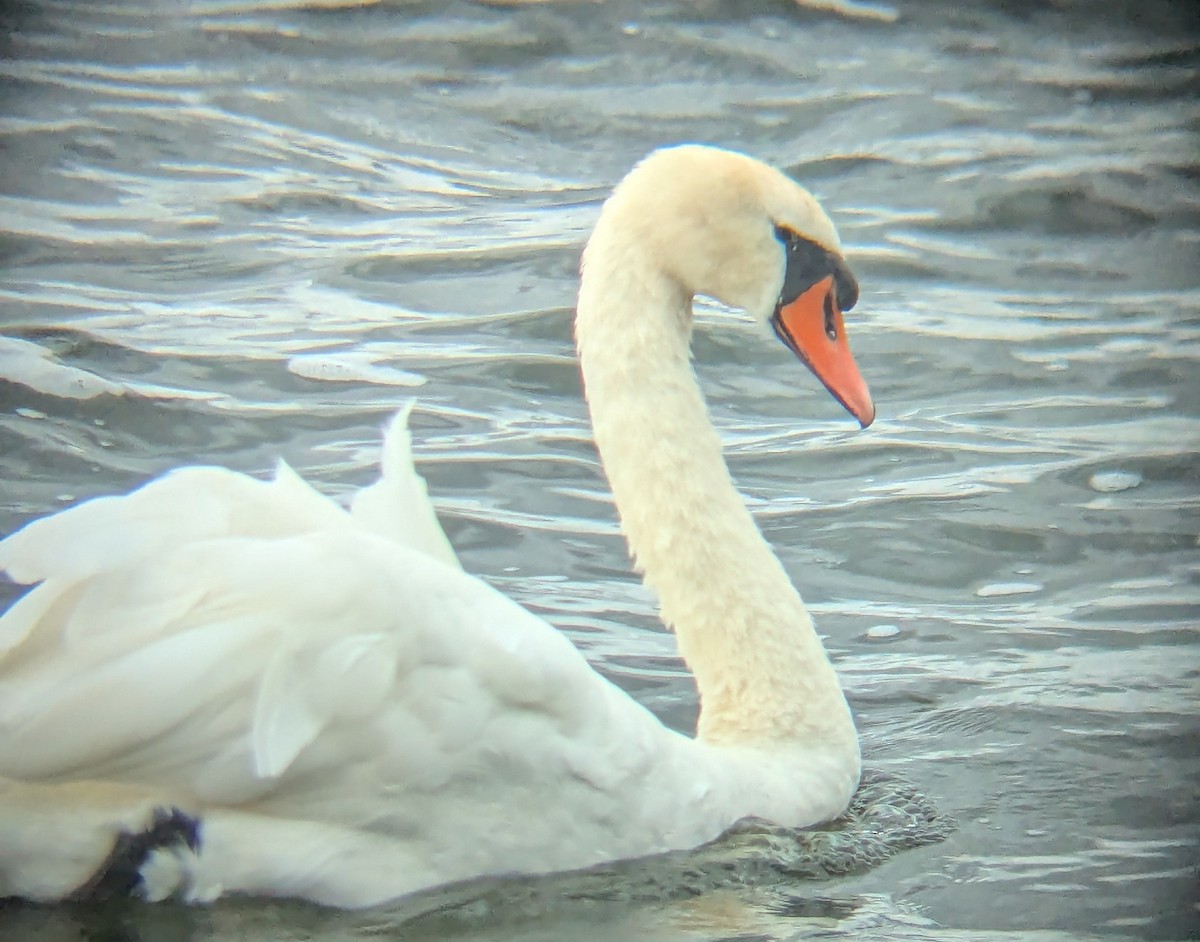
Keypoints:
pixel 235 230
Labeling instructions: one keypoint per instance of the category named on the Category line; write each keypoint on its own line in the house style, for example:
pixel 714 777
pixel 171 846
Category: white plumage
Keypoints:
pixel 347 714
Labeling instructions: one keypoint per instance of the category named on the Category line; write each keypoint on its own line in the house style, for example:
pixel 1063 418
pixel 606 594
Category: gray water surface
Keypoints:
pixel 234 231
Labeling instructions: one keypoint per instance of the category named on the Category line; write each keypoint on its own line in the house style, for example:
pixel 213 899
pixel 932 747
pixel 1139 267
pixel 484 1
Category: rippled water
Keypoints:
pixel 238 230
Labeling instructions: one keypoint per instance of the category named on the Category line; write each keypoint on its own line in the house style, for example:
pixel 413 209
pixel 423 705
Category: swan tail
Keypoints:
pixel 397 506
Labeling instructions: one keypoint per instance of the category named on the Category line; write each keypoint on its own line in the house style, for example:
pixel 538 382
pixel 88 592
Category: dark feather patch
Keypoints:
pixel 121 873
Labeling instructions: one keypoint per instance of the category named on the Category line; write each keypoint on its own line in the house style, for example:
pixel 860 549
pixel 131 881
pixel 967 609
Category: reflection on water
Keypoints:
pixel 237 231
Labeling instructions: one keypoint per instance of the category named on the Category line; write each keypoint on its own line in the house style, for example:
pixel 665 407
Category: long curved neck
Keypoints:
pixel 761 671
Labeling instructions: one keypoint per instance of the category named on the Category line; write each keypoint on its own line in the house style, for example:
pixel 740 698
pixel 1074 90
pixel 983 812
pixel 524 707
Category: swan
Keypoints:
pixel 224 685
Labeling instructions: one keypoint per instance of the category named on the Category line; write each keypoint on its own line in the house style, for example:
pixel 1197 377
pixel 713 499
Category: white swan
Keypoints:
pixel 224 685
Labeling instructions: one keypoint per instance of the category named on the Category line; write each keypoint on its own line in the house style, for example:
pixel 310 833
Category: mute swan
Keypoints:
pixel 224 685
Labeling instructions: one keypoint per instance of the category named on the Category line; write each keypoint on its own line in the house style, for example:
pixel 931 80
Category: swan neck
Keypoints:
pixel 760 669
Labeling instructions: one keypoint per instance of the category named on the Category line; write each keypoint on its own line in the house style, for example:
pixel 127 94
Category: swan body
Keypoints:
pixel 224 685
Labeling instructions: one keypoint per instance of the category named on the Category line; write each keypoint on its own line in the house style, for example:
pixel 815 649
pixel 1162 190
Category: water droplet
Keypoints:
pixel 1108 482
pixel 882 632
pixel 30 413
pixel 993 589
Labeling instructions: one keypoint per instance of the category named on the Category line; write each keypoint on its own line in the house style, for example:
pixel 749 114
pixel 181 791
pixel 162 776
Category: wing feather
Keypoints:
pixel 398 505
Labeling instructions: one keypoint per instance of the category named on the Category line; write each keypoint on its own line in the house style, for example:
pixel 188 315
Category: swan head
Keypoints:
pixel 727 226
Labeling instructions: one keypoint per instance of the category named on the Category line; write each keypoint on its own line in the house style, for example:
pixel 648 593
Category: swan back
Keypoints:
pixel 91 562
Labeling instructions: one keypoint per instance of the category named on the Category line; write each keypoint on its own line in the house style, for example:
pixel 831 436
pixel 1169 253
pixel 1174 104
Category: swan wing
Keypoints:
pixel 253 647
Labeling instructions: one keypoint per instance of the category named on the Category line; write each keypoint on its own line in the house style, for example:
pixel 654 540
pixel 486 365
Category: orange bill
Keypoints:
pixel 812 327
